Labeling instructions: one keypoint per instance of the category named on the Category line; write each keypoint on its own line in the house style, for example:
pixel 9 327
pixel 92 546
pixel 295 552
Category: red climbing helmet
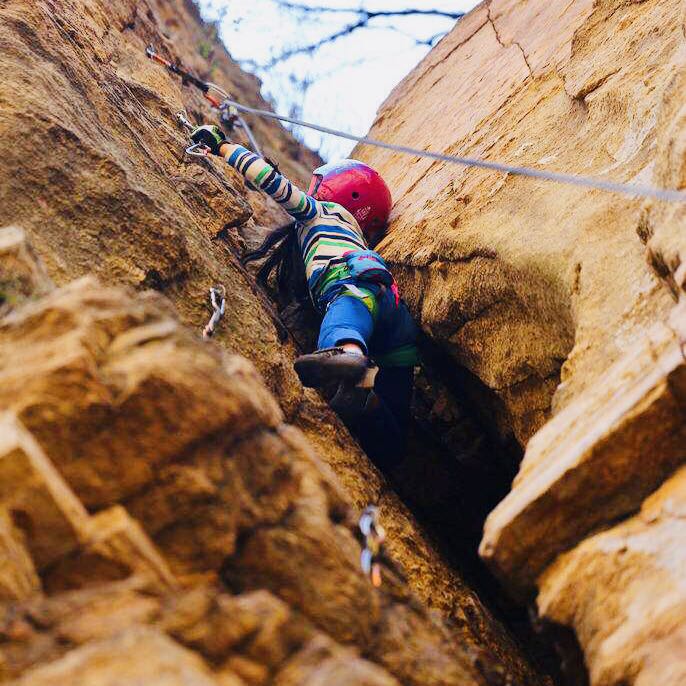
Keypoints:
pixel 357 187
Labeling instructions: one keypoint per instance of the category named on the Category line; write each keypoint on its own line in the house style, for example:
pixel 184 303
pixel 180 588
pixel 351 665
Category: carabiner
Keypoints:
pixel 198 150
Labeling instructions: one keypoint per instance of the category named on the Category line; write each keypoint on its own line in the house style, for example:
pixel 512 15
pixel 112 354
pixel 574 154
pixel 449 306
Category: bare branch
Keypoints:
pixel 311 47
pixel 370 14
pixel 364 17
pixel 431 40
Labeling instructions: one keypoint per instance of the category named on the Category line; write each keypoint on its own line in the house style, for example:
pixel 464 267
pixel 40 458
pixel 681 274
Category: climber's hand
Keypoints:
pixel 210 136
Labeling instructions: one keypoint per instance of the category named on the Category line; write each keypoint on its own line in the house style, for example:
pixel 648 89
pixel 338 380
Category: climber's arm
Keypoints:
pixel 262 175
pixel 258 172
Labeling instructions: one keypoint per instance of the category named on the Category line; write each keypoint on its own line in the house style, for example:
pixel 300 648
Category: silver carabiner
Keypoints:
pixel 198 150
pixel 369 524
pixel 182 118
pixel 218 302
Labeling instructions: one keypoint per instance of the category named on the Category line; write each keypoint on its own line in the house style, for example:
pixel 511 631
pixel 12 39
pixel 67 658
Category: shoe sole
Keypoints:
pixel 315 371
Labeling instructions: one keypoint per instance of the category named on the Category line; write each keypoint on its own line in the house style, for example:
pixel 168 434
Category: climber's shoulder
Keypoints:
pixel 332 211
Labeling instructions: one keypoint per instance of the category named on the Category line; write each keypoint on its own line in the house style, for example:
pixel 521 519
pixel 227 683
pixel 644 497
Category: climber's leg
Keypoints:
pixel 394 343
pixel 383 426
pixel 394 386
pixel 348 320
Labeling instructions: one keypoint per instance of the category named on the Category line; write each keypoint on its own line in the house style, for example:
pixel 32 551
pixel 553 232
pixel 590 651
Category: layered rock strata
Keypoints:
pixel 116 197
pixel 157 458
pixel 566 305
pixel 537 287
pixel 161 522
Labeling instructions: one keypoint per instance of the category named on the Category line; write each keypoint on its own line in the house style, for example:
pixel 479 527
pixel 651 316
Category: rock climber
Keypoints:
pixel 363 318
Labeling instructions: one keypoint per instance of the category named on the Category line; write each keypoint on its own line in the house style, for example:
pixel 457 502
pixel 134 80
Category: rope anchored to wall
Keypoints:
pixel 229 115
pixel 231 108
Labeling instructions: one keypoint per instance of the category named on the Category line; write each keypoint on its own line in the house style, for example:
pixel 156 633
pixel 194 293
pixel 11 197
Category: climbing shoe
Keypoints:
pixel 330 364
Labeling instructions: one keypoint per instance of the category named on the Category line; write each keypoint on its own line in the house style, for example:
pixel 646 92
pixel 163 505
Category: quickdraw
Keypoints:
pixel 229 115
pixel 231 118
pixel 186 76
pixel 374 537
pixel 218 302
pixel 197 149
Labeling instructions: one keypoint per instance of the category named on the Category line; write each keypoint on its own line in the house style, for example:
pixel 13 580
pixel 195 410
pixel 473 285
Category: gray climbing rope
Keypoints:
pixel 232 108
pixel 569 179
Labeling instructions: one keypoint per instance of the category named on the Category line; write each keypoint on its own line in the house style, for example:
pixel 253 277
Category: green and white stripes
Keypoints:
pixel 327 230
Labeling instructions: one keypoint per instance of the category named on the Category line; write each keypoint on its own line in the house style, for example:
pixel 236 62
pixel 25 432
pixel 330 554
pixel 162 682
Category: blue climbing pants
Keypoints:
pixel 347 320
pixel 370 316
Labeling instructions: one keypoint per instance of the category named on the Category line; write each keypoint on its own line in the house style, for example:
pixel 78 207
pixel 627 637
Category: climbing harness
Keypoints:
pixel 218 302
pixel 229 115
pixel 374 537
pixel 569 179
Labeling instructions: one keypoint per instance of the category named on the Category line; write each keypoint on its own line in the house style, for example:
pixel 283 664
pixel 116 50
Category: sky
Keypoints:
pixel 349 78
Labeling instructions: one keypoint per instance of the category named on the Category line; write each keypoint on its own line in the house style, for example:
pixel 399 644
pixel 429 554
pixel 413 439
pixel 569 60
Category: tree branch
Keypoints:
pixel 311 47
pixel 364 17
pixel 370 14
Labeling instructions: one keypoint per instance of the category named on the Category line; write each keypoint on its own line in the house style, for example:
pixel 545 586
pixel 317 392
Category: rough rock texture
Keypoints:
pixel 624 592
pixel 560 302
pixel 113 193
pixel 117 197
pixel 191 479
pixel 203 636
pixel 21 274
pixel 516 277
pixel 158 459
pixel 168 515
pixel 597 459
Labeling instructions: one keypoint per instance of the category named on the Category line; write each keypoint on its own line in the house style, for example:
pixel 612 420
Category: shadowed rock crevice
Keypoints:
pixel 246 500
pixel 460 464
pixel 172 464
pixel 578 339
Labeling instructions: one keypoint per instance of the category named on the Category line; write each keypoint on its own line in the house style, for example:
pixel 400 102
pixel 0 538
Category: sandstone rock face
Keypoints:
pixel 624 592
pixel 560 302
pixel 171 512
pixel 22 274
pixel 138 655
pixel 18 578
pixel 111 191
pixel 537 287
pixel 131 412
pixel 117 197
pixel 597 459
pixel 199 497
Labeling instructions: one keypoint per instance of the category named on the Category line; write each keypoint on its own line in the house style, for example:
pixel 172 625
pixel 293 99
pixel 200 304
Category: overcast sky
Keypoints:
pixel 350 78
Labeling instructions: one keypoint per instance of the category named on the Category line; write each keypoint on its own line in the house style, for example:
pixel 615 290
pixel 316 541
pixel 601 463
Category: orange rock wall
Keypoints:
pixel 565 304
pixel 171 512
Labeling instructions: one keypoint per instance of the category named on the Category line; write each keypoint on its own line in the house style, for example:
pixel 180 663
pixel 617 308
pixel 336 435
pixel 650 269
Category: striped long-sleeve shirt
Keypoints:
pixel 326 229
